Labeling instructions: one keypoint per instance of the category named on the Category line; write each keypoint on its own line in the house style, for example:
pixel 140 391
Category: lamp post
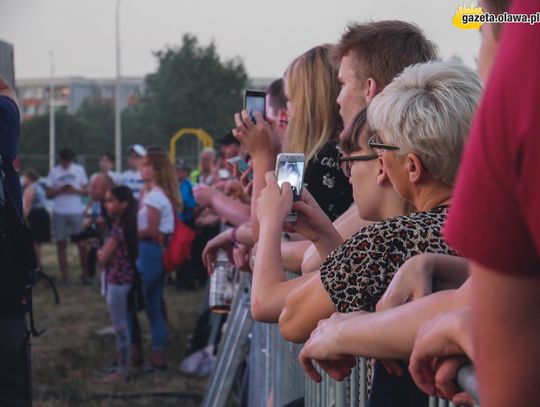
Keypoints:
pixel 117 111
pixel 52 124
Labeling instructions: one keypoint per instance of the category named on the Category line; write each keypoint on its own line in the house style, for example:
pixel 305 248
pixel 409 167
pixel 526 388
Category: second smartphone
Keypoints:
pixel 290 168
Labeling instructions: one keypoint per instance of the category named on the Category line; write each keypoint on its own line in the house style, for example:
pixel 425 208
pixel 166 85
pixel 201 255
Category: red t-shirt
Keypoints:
pixel 495 216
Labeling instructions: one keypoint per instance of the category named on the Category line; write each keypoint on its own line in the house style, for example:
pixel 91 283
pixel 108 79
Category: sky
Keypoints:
pixel 267 36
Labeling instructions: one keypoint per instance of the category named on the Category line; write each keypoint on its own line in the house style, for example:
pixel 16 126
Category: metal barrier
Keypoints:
pixel 233 347
pixel 274 374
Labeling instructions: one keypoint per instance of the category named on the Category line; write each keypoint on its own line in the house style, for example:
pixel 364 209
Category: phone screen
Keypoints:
pixel 291 172
pixel 255 101
pixel 242 164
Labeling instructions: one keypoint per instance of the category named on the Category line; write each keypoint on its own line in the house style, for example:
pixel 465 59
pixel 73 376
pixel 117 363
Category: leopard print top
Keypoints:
pixel 356 274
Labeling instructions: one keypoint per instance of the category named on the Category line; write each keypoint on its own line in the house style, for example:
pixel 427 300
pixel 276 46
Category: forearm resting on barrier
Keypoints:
pixel 422 275
pixel 305 306
pixel 387 334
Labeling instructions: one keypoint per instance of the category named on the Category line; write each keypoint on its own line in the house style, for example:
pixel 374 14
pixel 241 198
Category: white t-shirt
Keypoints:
pixel 132 179
pixel 156 198
pixel 74 175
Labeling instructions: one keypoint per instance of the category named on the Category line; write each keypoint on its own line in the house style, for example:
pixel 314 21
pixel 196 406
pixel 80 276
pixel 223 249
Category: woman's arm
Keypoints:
pixel 28 197
pixel 387 334
pixel 260 140
pixel 244 234
pixel 231 209
pixel 104 254
pixel 315 225
pixel 423 274
pixel 152 230
pixel 270 285
pixel 304 307
pixel 292 254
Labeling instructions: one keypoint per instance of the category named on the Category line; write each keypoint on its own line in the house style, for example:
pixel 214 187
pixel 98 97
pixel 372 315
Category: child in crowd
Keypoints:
pixel 117 256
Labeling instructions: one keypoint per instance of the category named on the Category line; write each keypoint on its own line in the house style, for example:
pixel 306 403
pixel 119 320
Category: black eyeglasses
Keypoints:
pixel 376 142
pixel 346 163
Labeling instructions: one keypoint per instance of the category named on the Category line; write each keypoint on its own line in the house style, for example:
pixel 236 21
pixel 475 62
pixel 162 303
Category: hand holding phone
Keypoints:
pixel 255 101
pixel 290 168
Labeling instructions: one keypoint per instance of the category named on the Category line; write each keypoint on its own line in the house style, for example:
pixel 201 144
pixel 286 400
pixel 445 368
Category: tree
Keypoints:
pixel 89 133
pixel 71 132
pixel 192 87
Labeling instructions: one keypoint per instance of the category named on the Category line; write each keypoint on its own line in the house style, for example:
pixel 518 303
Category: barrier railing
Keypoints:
pixel 274 376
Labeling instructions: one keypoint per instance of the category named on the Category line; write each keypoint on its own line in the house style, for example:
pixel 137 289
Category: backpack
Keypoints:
pixel 178 249
pixel 18 264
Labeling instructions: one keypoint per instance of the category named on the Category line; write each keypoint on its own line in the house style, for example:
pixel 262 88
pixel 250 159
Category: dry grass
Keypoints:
pixel 67 358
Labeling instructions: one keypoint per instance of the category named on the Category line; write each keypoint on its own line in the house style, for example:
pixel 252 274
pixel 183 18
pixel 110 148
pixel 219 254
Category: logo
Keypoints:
pixel 468 18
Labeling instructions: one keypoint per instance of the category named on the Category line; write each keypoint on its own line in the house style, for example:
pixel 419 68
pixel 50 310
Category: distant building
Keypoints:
pixel 70 93
pixel 260 83
pixel 6 63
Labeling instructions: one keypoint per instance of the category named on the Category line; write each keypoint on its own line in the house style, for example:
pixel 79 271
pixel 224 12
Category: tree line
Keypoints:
pixel 192 87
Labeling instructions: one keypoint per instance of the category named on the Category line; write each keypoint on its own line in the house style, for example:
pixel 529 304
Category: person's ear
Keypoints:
pixel 382 176
pixel 415 168
pixel 371 89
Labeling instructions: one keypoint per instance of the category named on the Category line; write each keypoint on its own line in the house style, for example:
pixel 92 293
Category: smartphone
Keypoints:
pixel 255 101
pixel 242 164
pixel 290 168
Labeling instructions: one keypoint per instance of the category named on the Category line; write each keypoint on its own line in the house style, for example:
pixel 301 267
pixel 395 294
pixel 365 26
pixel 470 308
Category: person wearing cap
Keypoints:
pixel 131 178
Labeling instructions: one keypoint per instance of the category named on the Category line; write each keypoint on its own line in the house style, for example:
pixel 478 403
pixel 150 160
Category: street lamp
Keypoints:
pixel 52 124
pixel 117 112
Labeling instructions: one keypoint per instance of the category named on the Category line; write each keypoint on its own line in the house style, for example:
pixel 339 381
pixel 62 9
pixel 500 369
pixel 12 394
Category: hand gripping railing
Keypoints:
pixel 275 377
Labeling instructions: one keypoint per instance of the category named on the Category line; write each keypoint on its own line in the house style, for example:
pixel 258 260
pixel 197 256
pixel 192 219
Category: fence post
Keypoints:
pixel 234 346
pixel 259 365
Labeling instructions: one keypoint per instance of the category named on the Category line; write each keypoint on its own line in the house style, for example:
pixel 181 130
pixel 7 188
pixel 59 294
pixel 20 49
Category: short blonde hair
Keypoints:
pixel 428 110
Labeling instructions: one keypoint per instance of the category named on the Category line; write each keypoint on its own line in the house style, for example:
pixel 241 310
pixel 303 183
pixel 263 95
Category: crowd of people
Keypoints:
pixel 121 223
pixel 423 147
pixel 415 236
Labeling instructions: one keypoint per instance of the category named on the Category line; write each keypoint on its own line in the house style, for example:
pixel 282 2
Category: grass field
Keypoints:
pixel 67 358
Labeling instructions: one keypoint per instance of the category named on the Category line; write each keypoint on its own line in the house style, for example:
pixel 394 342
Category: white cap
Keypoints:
pixel 137 149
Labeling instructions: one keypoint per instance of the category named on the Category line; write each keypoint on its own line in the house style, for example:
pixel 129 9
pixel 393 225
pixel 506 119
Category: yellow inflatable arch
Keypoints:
pixel 201 134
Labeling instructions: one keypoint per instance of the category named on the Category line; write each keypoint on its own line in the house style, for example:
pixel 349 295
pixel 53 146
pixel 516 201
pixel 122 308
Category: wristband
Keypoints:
pixel 233 236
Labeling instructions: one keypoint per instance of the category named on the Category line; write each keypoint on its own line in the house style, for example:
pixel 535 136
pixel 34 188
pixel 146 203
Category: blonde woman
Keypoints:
pixel 156 218
pixel 312 87
pixel 313 129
